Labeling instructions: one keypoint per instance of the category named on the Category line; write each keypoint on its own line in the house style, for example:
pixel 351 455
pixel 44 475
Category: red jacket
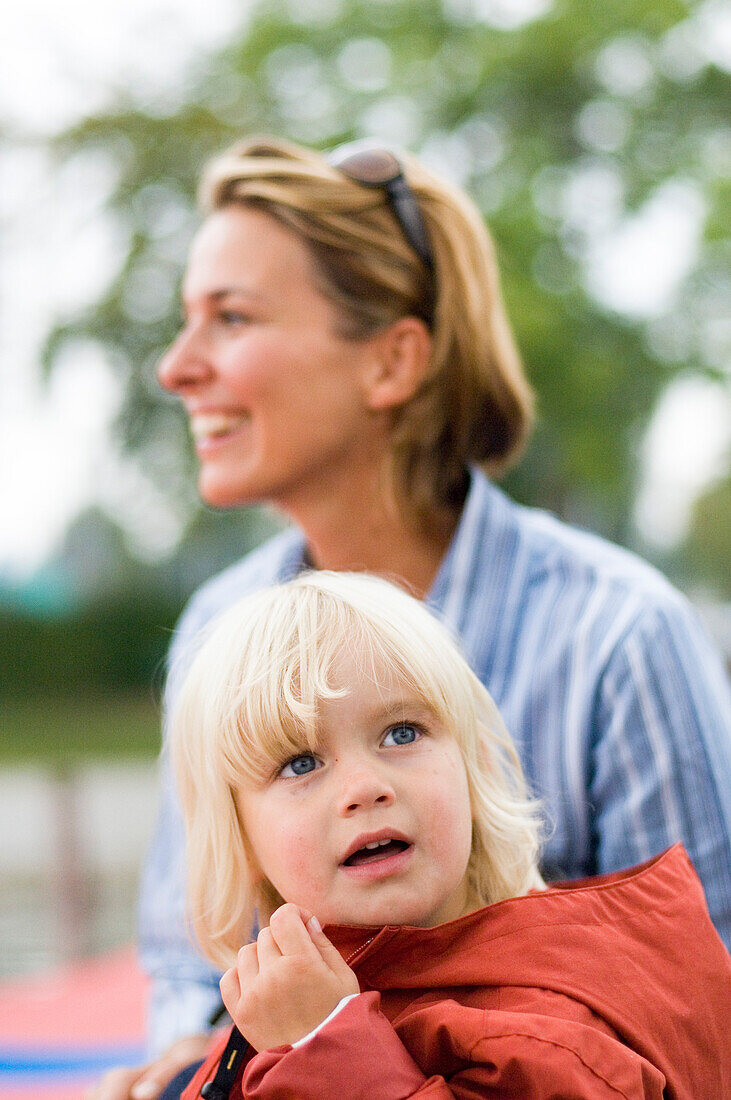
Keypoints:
pixel 613 988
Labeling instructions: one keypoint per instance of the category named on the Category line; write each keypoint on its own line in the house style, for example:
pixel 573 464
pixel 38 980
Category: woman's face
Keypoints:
pixel 275 397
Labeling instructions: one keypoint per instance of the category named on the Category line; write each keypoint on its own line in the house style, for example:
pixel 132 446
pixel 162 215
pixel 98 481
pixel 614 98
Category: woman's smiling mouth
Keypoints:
pixel 210 427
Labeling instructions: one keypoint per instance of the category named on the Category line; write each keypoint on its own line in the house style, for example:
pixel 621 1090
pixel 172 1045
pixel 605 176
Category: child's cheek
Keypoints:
pixel 451 812
pixel 300 866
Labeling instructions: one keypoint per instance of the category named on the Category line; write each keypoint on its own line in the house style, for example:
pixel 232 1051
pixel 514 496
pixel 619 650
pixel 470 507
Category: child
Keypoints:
pixel 340 765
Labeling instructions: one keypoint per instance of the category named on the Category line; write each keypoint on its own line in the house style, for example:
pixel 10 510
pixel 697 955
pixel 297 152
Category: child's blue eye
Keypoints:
pixel 403 734
pixel 299 765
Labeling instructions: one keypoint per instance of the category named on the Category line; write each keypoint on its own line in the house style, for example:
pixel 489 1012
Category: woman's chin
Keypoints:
pixel 217 492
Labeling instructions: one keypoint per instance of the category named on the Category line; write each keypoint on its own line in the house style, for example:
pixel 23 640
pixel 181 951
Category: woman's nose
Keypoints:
pixel 183 364
pixel 362 789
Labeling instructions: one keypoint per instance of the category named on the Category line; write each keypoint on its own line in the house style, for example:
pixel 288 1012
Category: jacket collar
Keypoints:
pixel 524 940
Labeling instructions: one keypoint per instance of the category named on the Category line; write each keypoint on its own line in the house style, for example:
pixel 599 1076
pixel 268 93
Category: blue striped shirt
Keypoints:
pixel 618 704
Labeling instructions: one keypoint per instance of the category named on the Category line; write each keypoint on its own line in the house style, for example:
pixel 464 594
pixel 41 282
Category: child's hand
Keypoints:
pixel 286 983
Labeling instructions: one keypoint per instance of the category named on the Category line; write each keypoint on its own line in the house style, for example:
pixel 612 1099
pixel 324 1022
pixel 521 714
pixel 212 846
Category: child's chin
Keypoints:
pixel 377 918
pixel 361 918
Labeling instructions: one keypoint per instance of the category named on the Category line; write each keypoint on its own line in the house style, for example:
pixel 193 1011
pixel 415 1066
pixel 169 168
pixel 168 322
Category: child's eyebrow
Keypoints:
pixel 396 708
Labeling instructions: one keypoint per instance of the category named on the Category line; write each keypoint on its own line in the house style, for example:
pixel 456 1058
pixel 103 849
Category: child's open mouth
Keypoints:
pixel 375 851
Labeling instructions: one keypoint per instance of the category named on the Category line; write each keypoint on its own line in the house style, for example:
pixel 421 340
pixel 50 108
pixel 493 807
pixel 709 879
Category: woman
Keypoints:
pixel 346 358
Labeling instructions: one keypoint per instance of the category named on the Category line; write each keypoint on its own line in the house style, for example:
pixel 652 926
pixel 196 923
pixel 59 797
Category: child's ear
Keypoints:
pixel 398 364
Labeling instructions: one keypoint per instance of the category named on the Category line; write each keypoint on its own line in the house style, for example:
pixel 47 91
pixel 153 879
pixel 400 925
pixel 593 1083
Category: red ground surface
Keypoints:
pixel 59 1031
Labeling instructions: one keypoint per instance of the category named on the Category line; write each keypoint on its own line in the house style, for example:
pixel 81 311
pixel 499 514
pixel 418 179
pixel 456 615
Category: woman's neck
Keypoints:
pixel 368 534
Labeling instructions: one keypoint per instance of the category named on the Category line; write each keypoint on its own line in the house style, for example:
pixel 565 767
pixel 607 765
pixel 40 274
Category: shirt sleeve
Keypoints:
pixel 311 1034
pixel 360 1054
pixel 184 987
pixel 662 753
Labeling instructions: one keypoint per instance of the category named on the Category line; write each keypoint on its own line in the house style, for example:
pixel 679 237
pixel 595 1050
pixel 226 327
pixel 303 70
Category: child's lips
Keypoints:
pixel 372 841
pixel 377 850
pixel 387 860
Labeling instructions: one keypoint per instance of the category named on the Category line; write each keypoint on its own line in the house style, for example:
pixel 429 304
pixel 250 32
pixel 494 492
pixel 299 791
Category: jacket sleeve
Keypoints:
pixel 496 1055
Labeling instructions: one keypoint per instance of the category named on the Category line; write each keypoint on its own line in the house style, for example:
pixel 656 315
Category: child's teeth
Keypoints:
pixel 377 844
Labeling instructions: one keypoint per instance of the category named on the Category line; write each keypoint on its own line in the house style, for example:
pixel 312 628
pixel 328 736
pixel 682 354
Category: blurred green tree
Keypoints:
pixel 707 546
pixel 562 126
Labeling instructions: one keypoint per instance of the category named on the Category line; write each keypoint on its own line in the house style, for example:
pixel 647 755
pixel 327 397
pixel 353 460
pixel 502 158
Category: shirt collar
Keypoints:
pixel 454 584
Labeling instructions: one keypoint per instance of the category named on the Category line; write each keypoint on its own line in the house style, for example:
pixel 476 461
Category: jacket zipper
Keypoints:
pixel 364 946
pixel 359 950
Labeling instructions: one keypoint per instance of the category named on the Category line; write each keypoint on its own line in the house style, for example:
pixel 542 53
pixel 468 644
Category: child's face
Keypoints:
pixel 387 771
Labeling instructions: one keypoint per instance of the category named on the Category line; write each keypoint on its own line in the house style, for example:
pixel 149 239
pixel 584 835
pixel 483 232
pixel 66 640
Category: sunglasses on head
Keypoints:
pixel 373 166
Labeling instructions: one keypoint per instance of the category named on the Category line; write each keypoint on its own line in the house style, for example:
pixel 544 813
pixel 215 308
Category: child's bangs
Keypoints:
pixel 275 712
pixel 267 704
pixel 392 656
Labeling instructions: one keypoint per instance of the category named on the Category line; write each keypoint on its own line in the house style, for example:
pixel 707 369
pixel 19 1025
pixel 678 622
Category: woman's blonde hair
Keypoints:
pixel 475 404
pixel 250 701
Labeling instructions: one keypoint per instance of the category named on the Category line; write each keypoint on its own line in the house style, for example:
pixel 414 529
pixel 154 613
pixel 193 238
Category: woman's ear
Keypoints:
pixel 398 365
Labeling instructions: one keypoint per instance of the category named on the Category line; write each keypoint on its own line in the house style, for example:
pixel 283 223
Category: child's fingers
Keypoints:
pixel 267 950
pixel 247 965
pixel 289 932
pixel 230 986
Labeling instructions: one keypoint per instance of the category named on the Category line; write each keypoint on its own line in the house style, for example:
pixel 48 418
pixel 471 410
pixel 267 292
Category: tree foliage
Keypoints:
pixel 560 127
pixel 707 547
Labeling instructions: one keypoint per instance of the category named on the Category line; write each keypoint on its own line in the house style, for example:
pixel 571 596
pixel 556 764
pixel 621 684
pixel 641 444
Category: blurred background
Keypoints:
pixel 594 138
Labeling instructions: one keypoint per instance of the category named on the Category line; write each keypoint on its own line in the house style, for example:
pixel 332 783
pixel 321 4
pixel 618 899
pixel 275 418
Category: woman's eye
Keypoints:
pixel 233 317
pixel 403 734
pixel 299 765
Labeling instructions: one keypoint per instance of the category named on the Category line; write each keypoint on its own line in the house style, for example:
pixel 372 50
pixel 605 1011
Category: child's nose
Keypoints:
pixel 364 788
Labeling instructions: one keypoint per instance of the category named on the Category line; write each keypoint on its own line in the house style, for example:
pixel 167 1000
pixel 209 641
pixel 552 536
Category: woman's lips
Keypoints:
pixel 212 430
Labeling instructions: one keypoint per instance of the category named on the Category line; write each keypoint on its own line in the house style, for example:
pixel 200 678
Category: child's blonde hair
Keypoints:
pixel 250 701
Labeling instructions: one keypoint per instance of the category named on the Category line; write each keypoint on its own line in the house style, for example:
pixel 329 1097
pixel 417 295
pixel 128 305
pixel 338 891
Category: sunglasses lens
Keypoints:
pixel 369 166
